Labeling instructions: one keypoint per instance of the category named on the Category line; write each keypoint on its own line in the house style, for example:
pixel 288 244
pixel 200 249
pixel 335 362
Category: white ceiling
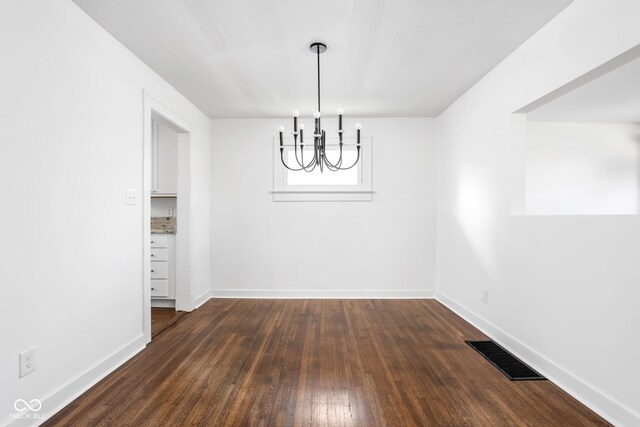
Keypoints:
pixel 614 97
pixel 250 58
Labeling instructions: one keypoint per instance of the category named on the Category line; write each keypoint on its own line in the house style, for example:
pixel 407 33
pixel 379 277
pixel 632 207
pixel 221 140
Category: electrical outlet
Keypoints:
pixel 485 296
pixel 27 362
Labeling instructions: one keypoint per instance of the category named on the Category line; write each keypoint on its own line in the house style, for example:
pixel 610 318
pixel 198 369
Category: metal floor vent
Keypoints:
pixel 510 365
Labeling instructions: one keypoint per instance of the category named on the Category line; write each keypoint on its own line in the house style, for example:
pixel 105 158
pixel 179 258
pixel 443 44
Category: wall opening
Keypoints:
pixel 579 148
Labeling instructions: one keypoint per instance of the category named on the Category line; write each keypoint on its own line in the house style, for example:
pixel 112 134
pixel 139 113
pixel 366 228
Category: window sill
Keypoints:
pixel 322 196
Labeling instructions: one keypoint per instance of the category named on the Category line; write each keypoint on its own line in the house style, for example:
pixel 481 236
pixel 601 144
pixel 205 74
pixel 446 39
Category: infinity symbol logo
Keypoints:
pixel 22 405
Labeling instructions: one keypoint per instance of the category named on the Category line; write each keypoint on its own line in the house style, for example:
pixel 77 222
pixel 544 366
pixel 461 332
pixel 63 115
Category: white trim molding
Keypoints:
pixel 184 293
pixel 70 391
pixel 605 406
pixel 322 196
pixel 206 296
pixel 163 303
pixel 322 294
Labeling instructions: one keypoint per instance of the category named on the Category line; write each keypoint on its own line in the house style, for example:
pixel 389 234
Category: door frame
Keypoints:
pixel 185 300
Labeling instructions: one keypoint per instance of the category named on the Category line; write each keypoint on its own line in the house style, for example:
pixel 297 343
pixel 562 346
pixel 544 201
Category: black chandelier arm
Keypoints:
pixel 331 166
pixel 332 169
pixel 301 160
pixel 317 151
pixel 320 158
pixel 354 163
pixel 322 147
pixel 285 163
pixel 295 152
pixel 309 167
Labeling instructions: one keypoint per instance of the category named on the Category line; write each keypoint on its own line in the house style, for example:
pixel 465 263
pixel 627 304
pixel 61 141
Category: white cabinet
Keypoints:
pixel 159 241
pixel 159 254
pixel 164 165
pixel 163 262
pixel 159 288
pixel 159 270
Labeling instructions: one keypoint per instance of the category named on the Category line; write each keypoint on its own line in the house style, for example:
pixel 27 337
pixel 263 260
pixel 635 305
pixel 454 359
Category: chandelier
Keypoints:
pixel 319 158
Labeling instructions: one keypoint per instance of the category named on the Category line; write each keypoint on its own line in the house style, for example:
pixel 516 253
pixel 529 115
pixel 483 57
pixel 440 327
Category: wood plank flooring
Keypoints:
pixel 162 318
pixel 319 363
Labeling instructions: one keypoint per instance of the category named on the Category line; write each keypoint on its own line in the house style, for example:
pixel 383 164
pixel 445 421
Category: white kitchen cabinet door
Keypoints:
pixel 159 288
pixel 159 254
pixel 159 270
pixel 159 240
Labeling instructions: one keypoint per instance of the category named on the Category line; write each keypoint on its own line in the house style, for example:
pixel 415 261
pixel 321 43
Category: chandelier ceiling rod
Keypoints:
pixel 318 56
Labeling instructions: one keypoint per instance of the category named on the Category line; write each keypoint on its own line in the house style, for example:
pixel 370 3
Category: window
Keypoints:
pixel 345 185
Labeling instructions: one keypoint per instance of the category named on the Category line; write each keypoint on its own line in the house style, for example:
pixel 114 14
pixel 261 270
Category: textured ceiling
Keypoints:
pixel 250 58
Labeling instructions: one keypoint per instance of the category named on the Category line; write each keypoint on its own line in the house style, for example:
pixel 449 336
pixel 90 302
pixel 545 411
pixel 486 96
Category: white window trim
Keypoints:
pixel 362 192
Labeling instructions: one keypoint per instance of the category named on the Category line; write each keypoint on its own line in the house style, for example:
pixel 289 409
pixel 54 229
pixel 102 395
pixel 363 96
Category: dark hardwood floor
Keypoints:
pixel 162 318
pixel 319 362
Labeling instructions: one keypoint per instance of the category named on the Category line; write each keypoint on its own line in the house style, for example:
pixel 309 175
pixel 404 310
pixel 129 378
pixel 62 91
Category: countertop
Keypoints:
pixel 163 225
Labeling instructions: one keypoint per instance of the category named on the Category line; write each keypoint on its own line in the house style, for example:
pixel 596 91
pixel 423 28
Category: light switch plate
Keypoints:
pixel 131 197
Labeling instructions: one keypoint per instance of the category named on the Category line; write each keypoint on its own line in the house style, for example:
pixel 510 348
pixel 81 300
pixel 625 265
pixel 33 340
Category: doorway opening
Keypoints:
pixel 167 290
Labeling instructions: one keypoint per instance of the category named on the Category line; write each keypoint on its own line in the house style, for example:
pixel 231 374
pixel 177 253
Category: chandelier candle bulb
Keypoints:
pixel 296 113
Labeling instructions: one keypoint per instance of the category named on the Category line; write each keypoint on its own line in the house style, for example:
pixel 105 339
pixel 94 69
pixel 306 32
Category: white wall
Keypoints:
pixel 71 141
pixel 563 290
pixel 582 168
pixel 161 206
pixel 383 248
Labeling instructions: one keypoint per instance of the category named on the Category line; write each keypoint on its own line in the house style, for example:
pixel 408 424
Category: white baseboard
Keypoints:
pixel 64 395
pixel 202 299
pixel 163 303
pixel 608 408
pixel 322 294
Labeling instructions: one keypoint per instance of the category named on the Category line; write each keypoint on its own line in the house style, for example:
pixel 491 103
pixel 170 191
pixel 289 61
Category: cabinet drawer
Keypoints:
pixel 159 270
pixel 160 288
pixel 158 241
pixel 158 254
